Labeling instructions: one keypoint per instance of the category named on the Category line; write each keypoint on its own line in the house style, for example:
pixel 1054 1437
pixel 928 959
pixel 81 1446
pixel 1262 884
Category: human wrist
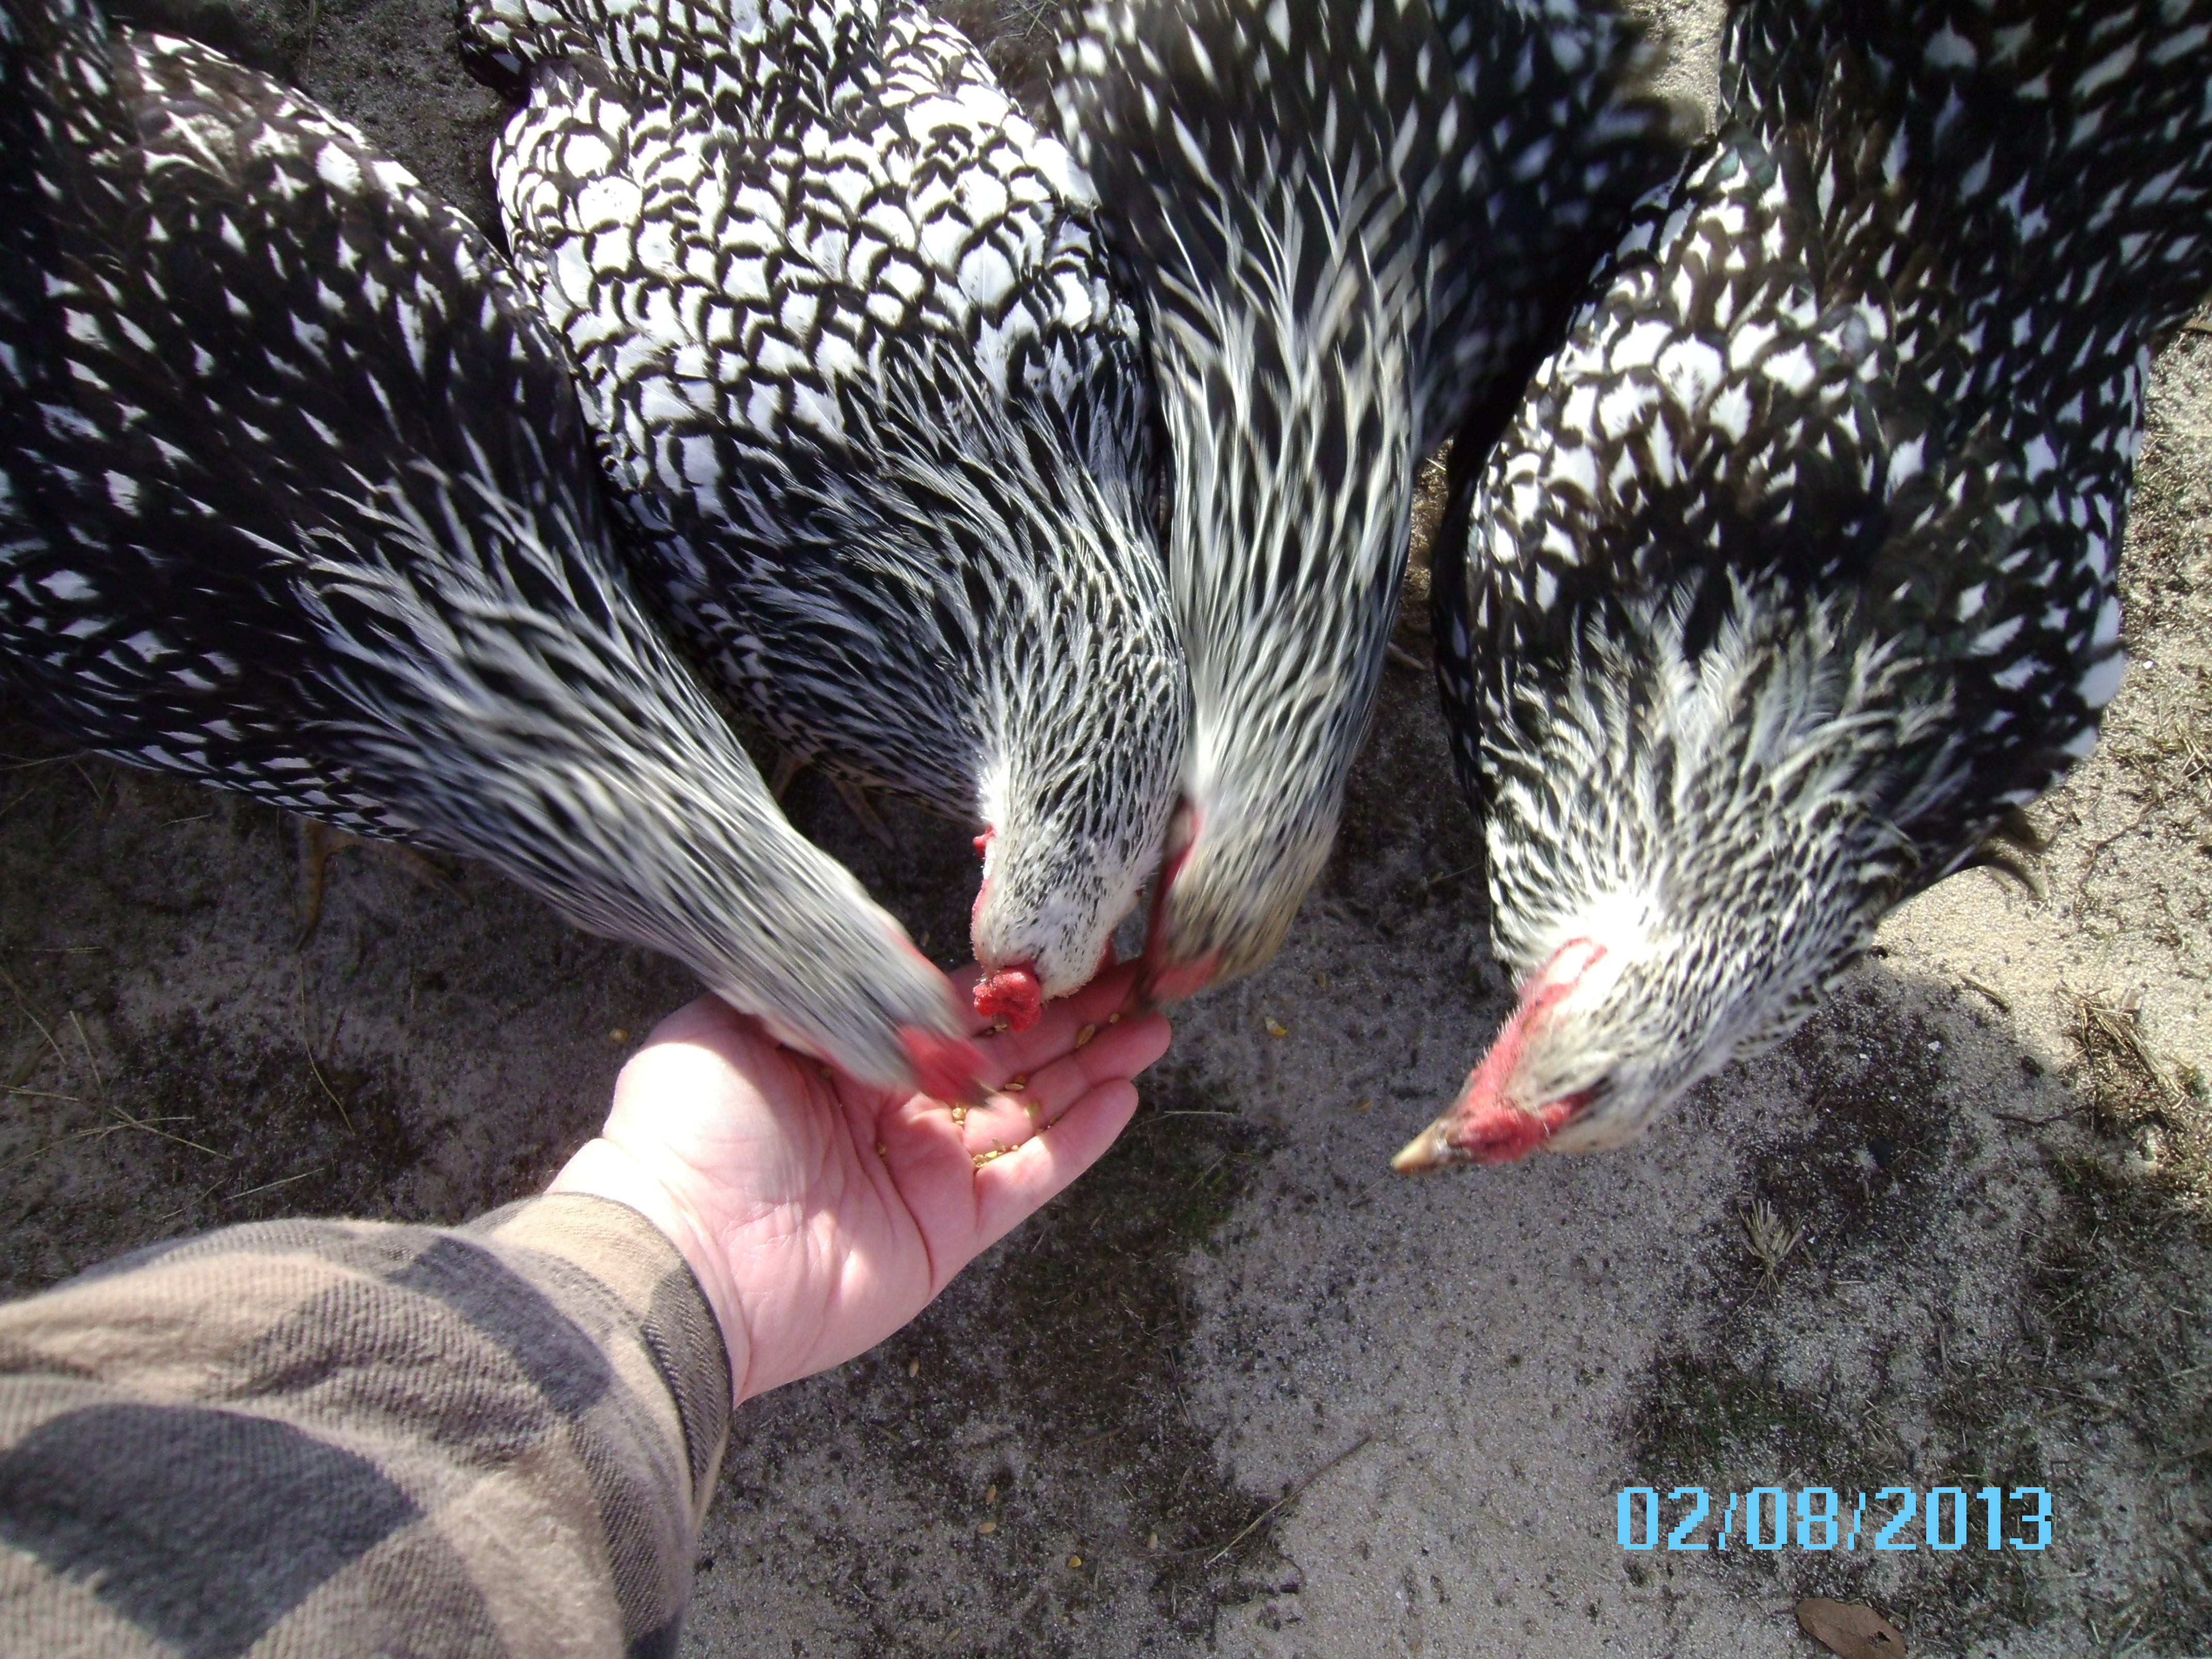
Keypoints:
pixel 606 1169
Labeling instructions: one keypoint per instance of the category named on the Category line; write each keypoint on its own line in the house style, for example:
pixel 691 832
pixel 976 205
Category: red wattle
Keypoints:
pixel 1488 1124
pixel 1502 1134
pixel 1012 994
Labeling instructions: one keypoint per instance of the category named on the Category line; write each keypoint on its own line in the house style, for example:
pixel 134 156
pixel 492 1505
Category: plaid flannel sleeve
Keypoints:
pixel 327 1438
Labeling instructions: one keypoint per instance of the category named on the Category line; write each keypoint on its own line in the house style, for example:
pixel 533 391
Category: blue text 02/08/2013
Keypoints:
pixel 1761 1518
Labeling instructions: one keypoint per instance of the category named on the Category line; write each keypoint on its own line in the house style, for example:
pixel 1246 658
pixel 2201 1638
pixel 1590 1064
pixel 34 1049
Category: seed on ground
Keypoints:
pixel 1074 1560
pixel 1276 1027
pixel 987 1528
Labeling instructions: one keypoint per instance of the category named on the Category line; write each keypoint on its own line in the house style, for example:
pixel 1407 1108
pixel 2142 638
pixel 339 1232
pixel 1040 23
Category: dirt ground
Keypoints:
pixel 1242 1391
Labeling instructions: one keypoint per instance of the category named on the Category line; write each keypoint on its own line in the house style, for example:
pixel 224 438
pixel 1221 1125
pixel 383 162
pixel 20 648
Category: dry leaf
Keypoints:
pixel 1850 1629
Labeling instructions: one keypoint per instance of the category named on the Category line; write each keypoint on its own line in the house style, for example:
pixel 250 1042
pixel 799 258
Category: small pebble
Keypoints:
pixel 618 1034
pixel 1152 1542
pixel 1085 1035
pixel 1074 1560
pixel 987 1528
pixel 1277 1028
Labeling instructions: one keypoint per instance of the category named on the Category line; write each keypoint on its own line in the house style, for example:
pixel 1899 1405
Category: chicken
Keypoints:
pixel 875 417
pixel 296 499
pixel 1348 226
pixel 1795 572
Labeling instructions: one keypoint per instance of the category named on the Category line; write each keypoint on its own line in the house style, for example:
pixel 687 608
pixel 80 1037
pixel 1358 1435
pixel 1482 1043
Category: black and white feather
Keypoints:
pixel 1796 569
pixel 296 499
pixel 1349 224
pixel 876 418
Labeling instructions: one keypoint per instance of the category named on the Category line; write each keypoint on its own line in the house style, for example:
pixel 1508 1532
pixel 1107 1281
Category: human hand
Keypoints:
pixel 820 1214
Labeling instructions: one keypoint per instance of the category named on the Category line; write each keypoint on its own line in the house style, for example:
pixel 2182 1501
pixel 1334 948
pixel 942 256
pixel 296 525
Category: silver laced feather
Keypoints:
pixel 1795 570
pixel 876 417
pixel 296 499
pixel 1349 225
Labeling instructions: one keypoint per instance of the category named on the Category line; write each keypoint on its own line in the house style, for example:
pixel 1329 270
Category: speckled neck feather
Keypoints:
pixel 294 499
pixel 1350 225
pixel 1796 568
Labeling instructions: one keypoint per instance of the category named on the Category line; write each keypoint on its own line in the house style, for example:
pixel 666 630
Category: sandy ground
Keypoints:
pixel 1242 1391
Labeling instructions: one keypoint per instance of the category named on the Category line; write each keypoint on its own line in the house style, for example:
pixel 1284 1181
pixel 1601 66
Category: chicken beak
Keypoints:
pixel 1430 1150
pixel 1498 1133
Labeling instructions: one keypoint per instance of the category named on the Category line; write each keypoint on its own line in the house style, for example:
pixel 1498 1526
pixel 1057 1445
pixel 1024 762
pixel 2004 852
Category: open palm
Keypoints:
pixel 821 1214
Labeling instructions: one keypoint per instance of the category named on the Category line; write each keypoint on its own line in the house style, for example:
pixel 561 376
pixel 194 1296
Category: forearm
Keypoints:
pixel 612 1168
pixel 355 1437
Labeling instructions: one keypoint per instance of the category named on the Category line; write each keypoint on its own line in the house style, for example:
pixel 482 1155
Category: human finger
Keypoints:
pixel 1024 1100
pixel 1012 1188
pixel 1117 1052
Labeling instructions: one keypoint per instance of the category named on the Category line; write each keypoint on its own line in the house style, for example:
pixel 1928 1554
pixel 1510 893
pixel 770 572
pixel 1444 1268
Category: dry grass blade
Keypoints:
pixel 307 1043
pixel 125 1121
pixel 1286 1500
pixel 2102 1024
pixel 23 1007
pixel 101 1131
pixel 87 1042
pixel 269 1185
pixel 1772 1238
